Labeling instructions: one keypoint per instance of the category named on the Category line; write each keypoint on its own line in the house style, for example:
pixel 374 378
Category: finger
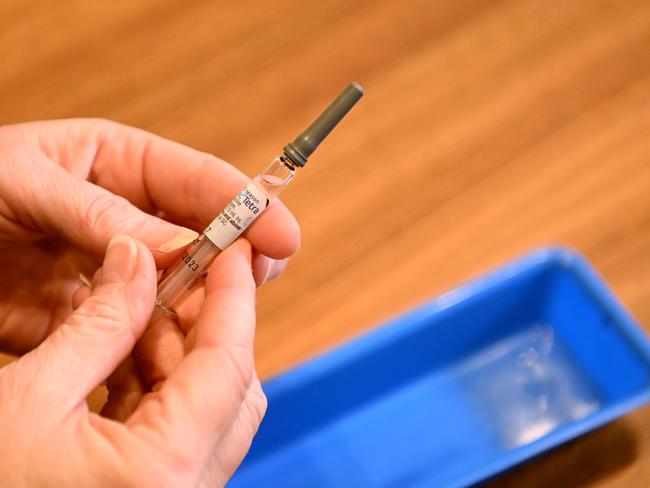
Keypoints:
pixel 101 332
pixel 160 350
pixel 80 296
pixel 125 390
pixel 163 346
pixel 96 277
pixel 265 269
pixel 277 267
pixel 84 291
pixel 186 184
pixel 200 400
pixel 261 265
pixel 84 214
pixel 229 300
pixel 189 308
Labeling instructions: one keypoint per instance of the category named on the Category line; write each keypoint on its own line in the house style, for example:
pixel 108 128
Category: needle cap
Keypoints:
pixel 306 143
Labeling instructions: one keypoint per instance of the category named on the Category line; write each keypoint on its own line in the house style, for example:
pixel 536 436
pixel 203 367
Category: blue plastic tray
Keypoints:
pixel 468 385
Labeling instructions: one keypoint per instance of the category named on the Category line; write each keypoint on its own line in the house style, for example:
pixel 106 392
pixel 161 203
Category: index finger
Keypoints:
pixel 157 174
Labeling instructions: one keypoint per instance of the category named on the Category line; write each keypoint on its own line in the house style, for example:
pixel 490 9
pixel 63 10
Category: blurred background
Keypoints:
pixel 487 129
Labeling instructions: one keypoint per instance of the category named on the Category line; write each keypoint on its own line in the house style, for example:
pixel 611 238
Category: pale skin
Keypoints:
pixel 184 398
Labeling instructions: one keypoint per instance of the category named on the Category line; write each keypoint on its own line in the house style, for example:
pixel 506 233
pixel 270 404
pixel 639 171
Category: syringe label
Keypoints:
pixel 238 214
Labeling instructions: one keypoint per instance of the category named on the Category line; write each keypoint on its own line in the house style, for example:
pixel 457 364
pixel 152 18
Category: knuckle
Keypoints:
pixel 258 404
pixel 103 305
pixel 107 212
pixel 105 313
pixel 254 408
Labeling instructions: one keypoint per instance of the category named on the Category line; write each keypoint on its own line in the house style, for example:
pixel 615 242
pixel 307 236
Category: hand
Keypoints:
pixel 194 430
pixel 68 186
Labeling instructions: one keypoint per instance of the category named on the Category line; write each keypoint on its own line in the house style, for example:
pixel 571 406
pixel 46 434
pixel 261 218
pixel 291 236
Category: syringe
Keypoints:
pixel 250 202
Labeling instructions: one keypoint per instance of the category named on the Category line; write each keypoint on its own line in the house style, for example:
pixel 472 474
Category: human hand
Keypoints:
pixel 68 186
pixel 194 430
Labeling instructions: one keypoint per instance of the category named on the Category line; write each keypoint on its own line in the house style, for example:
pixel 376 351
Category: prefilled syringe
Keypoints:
pixel 250 202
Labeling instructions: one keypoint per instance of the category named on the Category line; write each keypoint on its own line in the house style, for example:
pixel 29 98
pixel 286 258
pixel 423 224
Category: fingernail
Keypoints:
pixel 120 260
pixel 277 267
pixel 85 280
pixel 182 239
pixel 268 272
pixel 261 266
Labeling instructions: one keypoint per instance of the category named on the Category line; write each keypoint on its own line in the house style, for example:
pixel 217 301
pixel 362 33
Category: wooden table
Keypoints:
pixel 488 128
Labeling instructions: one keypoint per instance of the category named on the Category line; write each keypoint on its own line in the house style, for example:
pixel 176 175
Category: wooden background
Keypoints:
pixel 488 128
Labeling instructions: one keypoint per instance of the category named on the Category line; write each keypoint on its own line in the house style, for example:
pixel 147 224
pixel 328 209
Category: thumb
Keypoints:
pixel 85 214
pixel 92 342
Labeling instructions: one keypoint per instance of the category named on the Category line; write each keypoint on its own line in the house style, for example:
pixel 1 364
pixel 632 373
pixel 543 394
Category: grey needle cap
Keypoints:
pixel 306 143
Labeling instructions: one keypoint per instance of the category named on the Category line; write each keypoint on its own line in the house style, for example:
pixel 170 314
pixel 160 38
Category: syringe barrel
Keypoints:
pixel 247 205
pixel 193 263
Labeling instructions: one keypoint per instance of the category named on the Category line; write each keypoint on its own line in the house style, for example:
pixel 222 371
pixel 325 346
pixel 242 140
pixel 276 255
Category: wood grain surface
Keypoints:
pixel 488 128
